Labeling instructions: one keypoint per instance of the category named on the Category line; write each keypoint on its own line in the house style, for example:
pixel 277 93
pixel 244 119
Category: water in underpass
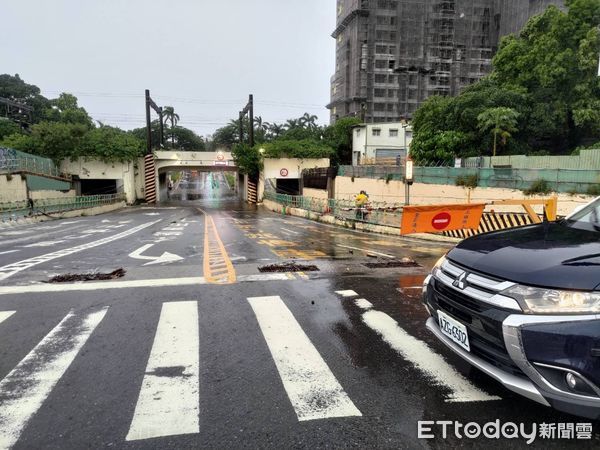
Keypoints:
pixel 190 185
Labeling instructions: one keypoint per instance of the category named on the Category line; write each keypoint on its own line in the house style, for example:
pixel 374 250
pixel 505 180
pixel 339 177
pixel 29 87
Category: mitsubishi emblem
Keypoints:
pixel 460 282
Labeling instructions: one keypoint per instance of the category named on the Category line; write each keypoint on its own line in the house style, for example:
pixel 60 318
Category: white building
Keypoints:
pixel 380 143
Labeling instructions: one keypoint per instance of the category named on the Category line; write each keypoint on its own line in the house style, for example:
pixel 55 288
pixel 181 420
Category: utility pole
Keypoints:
pixel 241 127
pixel 162 134
pixel 150 104
pixel 251 113
pixel 248 109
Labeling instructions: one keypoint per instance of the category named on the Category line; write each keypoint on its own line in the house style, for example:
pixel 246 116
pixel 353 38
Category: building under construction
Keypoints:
pixel 393 54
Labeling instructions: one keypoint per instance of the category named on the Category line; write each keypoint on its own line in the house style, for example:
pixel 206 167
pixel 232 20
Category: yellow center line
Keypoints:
pixel 218 268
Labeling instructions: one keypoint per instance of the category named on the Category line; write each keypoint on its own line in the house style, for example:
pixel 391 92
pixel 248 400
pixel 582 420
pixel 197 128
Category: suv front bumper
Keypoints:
pixel 522 334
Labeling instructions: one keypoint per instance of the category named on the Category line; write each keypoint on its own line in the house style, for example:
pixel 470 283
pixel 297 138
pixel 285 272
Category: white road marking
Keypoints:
pixel 363 303
pixel 385 255
pixel 310 385
pixel 11 269
pixel 26 387
pixel 347 293
pixel 43 244
pixel 5 315
pixel 96 231
pixel 424 358
pixel 289 231
pixel 152 214
pixel 166 257
pixel 101 285
pixel 9 251
pixel 16 232
pixel 169 397
pixel 168 233
pixel 238 258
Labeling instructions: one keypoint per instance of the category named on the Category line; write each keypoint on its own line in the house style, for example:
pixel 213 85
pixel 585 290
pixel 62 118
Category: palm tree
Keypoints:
pixel 169 114
pixel 308 120
pixel 290 124
pixel 276 129
pixel 500 121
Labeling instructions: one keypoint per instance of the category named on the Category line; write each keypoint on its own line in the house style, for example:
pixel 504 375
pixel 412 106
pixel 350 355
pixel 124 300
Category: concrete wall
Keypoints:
pixel 93 169
pixel 315 193
pixel 12 190
pixel 429 194
pixel 273 167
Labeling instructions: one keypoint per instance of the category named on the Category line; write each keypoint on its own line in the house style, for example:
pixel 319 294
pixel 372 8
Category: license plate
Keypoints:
pixel 454 330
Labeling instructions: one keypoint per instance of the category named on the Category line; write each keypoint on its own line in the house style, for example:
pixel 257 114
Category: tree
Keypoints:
pixel 8 127
pixel 109 144
pixel 14 88
pixel 170 115
pixel 339 137
pixel 185 139
pixel 308 121
pixel 66 110
pixel 500 121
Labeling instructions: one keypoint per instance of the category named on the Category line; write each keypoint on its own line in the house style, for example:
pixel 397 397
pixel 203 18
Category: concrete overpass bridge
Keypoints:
pixel 159 163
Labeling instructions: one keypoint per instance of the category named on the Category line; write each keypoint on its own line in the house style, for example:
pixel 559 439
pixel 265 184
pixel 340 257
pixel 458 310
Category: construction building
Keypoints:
pixel 391 55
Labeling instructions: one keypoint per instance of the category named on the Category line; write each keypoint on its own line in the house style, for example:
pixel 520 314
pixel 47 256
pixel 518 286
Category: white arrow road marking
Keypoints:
pixel 5 315
pixel 11 269
pixel 311 387
pixel 166 257
pixel 169 398
pixel 423 358
pixel 26 387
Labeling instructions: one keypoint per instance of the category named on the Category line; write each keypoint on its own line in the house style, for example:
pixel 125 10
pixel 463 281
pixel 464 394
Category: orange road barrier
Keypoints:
pixel 438 218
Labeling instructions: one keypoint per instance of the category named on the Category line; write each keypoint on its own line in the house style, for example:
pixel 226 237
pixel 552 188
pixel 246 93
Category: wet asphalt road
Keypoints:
pixel 82 385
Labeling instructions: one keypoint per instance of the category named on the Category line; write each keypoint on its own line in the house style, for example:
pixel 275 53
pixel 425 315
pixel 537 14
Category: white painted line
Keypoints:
pixel 289 231
pixel 238 258
pixel 363 303
pixel 262 277
pixel 424 358
pixel 385 255
pixel 26 387
pixel 168 404
pixel 310 385
pixel 43 244
pixel 5 315
pixel 11 269
pixel 100 285
pixel 9 251
pixel 347 293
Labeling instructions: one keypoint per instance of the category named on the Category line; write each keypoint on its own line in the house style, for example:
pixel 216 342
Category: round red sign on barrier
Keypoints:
pixel 441 221
pixel 220 157
pixel 283 172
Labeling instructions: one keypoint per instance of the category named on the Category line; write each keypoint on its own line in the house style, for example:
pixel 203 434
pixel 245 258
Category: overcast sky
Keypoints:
pixel 203 57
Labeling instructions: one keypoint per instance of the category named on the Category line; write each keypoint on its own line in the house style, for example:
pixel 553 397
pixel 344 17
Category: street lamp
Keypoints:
pixel 408 179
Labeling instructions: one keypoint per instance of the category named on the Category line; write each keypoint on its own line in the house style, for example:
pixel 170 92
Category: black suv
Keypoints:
pixel 523 306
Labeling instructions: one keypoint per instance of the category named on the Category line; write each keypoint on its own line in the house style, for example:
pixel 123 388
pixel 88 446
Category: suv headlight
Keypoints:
pixel 438 264
pixel 552 301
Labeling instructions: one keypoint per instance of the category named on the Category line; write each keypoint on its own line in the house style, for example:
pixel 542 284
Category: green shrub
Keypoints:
pixel 389 177
pixel 594 189
pixel 468 181
pixel 539 186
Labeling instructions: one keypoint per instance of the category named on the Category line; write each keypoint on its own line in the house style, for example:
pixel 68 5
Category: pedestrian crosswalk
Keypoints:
pixel 168 401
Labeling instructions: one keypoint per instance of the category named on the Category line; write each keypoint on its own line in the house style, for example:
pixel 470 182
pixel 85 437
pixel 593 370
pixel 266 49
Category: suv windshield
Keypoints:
pixel 588 218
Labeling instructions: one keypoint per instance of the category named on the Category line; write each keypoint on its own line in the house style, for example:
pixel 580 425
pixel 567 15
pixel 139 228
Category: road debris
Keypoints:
pixel 91 276
pixel 288 267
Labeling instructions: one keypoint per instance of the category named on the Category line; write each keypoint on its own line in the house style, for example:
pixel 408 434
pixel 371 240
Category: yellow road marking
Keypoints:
pixel 218 268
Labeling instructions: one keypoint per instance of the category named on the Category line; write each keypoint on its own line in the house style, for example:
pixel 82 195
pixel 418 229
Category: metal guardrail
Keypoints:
pixel 16 210
pixel 33 165
pixel 375 213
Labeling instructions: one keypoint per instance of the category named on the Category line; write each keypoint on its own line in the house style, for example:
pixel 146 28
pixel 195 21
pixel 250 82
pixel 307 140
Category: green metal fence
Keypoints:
pixel 375 213
pixel 16 210
pixel 558 180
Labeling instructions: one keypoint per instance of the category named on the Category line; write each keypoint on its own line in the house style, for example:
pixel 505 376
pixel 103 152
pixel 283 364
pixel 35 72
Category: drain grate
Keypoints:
pixel 289 267
pixel 92 276
pixel 404 262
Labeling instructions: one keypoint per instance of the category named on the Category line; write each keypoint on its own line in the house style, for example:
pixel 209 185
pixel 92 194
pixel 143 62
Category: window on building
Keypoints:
pixel 376 131
pixel 379 107
pixel 357 132
pixel 380 78
pixel 379 93
pixel 393 132
pixel 391 64
pixel 381 49
pixel 381 64
pixel 392 93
